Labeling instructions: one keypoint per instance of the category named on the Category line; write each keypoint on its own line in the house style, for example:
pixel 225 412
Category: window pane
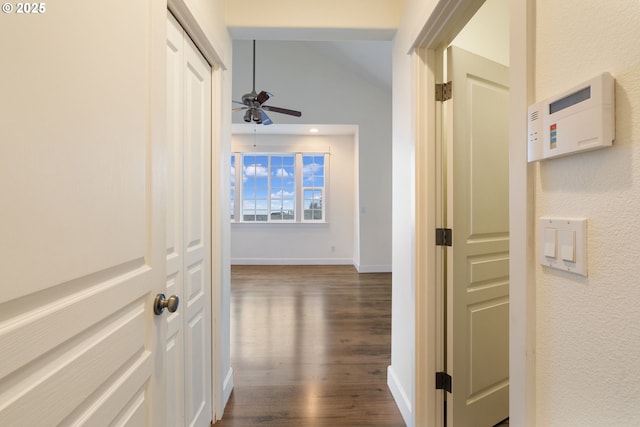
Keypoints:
pixel 248 182
pixel 281 175
pixel 313 182
pixel 255 166
pixel 262 182
pixel 276 183
pixel 288 204
pixel 282 172
pixel 309 166
pixel 261 215
pixel 249 193
pixel 313 198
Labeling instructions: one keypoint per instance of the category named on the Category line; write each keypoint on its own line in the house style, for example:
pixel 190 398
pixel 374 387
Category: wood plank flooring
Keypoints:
pixel 310 347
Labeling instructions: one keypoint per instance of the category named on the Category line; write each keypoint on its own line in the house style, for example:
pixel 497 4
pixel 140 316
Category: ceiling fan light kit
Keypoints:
pixel 253 102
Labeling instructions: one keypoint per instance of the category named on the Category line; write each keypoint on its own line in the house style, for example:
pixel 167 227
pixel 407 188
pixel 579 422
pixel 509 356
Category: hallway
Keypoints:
pixel 310 347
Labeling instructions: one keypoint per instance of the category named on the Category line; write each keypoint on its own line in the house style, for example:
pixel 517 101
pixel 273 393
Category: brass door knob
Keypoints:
pixel 161 303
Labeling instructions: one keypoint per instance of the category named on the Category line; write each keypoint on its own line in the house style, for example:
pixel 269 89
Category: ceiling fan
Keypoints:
pixel 253 102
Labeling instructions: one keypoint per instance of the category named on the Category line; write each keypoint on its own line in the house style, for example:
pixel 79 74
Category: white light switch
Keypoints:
pixel 563 244
pixel 550 242
pixel 568 245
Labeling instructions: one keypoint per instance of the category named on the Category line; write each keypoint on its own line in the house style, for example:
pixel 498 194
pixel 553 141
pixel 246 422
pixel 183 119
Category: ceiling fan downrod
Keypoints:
pixel 253 102
pixel 254 67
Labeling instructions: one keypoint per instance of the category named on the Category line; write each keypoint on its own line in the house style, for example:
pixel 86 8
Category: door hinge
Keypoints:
pixel 443 381
pixel 444 91
pixel 444 237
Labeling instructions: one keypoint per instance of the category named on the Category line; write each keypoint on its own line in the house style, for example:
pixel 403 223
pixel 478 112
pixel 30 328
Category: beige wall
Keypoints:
pixel 487 33
pixel 326 14
pixel 588 329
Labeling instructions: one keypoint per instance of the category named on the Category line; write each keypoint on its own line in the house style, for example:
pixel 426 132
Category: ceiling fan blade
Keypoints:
pixel 235 110
pixel 238 102
pixel 263 97
pixel 282 110
pixel 265 119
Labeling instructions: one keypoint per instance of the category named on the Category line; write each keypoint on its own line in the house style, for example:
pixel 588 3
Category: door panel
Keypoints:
pixel 489 159
pixel 83 228
pixel 189 255
pixel 478 261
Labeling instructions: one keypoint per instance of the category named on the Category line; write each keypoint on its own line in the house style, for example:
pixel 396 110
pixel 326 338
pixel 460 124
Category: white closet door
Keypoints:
pixel 175 207
pixel 189 230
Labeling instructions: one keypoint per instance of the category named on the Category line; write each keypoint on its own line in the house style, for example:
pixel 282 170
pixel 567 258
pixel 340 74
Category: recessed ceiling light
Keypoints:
pixel 314 130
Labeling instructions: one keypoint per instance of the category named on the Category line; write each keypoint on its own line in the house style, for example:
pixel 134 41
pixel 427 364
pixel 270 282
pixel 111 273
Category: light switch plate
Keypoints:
pixel 569 231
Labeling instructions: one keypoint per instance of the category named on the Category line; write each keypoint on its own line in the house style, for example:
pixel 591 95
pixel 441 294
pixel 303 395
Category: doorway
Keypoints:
pixel 466 187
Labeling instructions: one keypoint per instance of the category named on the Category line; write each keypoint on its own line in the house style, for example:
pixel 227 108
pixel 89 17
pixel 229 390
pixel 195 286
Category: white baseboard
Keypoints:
pixel 227 387
pixel 291 261
pixel 373 268
pixel 400 396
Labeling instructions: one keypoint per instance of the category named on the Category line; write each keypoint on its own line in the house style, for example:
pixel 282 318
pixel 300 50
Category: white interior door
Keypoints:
pixel 188 231
pixel 82 247
pixel 478 261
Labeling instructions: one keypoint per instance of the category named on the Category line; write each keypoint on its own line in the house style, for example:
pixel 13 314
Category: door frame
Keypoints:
pixel 221 387
pixel 445 21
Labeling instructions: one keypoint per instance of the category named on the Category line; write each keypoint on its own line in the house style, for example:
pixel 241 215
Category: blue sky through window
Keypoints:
pixel 266 191
pixel 283 194
pixel 313 186
pixel 255 186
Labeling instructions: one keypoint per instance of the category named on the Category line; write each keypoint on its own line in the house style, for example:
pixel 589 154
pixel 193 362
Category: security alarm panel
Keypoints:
pixel 579 119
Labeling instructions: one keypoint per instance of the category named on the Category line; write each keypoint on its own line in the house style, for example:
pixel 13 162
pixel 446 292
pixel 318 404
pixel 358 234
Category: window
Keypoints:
pixel 255 187
pixel 283 195
pixel 277 187
pixel 313 187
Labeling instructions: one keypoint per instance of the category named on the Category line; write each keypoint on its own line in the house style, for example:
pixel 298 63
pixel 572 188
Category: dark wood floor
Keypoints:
pixel 310 347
